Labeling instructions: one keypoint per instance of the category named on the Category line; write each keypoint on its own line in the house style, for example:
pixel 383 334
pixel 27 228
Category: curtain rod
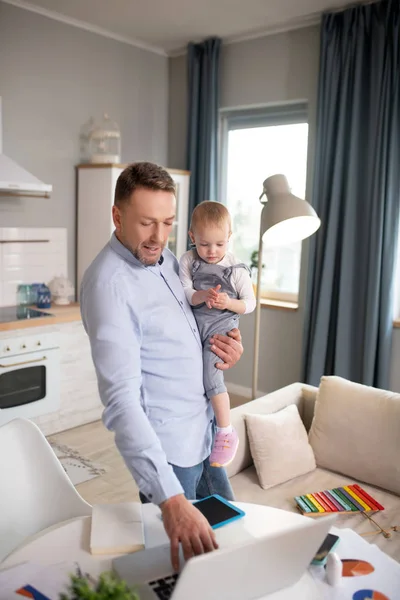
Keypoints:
pixel 340 9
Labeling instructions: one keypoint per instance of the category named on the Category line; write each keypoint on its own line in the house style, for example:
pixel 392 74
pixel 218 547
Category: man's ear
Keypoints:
pixel 116 215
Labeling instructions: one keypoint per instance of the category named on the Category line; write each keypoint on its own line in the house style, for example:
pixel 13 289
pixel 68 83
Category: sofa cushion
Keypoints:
pixel 279 446
pixel 247 489
pixel 355 431
pixel 270 403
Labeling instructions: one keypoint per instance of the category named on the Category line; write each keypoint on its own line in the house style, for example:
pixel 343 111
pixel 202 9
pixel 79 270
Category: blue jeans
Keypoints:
pixel 201 481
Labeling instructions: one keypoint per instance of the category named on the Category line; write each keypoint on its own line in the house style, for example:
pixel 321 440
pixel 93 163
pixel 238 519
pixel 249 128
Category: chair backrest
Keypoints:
pixel 35 491
pixel 302 395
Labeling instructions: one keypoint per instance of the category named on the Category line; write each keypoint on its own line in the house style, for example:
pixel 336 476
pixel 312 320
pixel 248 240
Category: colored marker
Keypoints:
pixel 328 501
pixel 356 499
pixel 351 506
pixel 340 500
pixel 322 501
pixel 331 497
pixel 353 498
pixel 316 503
pixel 311 506
pixel 367 496
pixel 304 507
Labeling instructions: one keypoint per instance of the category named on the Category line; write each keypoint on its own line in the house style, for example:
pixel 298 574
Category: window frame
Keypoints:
pixel 258 116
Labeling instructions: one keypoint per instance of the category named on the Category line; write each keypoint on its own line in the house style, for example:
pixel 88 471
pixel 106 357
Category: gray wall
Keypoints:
pixel 177 112
pixel 275 69
pixel 53 77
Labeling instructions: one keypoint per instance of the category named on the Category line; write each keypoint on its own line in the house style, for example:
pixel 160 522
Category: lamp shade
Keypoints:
pixel 285 218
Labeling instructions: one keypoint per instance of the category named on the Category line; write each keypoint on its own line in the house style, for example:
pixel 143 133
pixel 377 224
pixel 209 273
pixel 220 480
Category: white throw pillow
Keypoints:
pixel 279 446
pixel 356 431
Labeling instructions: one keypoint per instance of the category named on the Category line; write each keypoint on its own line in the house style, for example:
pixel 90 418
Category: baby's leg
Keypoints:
pixel 226 440
pixel 214 386
pixel 222 409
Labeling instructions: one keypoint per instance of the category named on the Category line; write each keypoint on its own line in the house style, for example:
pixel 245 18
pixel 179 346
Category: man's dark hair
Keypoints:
pixel 141 175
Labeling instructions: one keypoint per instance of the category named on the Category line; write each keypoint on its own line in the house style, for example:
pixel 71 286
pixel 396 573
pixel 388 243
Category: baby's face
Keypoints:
pixel 211 242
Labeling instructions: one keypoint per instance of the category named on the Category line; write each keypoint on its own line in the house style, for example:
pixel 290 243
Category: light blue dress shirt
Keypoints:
pixel 148 357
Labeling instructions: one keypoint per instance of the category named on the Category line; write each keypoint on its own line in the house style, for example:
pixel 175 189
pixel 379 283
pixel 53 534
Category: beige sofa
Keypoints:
pixel 246 486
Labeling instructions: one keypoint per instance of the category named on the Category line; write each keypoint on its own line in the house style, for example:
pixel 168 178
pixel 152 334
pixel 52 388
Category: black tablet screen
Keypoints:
pixel 215 511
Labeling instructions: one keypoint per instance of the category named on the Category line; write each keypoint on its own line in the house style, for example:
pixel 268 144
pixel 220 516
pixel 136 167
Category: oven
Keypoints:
pixel 29 375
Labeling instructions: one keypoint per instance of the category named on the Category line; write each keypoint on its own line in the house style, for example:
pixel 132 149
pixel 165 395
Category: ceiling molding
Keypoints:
pixel 284 26
pixel 290 25
pixel 56 16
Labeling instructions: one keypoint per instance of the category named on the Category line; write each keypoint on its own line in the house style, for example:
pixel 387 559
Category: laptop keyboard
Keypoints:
pixel 164 587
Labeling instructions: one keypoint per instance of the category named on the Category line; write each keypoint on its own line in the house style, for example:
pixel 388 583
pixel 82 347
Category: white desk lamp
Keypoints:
pixel 285 219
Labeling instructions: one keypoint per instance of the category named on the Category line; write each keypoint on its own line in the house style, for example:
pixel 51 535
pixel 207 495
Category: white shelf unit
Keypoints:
pixel 95 197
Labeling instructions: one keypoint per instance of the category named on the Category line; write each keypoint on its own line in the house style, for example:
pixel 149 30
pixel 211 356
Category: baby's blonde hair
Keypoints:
pixel 210 213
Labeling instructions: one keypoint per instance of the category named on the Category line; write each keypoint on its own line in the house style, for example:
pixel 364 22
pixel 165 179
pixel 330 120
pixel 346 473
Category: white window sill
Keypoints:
pixel 281 305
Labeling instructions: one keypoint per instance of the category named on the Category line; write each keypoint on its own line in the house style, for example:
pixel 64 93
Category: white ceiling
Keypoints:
pixel 166 26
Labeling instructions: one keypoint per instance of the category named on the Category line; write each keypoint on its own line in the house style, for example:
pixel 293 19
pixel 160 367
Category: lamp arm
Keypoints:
pixel 257 316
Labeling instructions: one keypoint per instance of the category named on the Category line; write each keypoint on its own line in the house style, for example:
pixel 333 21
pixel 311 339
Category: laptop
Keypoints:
pixel 251 570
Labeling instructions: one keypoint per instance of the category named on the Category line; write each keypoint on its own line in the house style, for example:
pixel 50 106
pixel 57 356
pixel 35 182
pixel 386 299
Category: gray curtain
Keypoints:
pixel 356 192
pixel 202 129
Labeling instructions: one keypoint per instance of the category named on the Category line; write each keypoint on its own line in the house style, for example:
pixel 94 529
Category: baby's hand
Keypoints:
pixel 222 302
pixel 211 296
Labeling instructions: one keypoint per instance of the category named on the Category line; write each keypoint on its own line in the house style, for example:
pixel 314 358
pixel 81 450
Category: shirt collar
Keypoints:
pixel 127 254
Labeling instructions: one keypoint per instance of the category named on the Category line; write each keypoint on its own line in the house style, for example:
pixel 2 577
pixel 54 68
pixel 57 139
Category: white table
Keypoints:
pixel 69 541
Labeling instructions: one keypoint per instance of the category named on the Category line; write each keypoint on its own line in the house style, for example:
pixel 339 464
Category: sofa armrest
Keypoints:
pixel 310 394
pixel 273 402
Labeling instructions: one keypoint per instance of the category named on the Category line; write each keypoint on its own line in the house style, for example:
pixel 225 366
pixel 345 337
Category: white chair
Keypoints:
pixel 35 491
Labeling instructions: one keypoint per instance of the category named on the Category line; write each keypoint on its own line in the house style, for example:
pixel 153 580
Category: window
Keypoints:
pixel 255 145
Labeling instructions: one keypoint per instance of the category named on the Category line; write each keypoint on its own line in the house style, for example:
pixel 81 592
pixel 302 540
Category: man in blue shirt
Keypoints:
pixel 148 358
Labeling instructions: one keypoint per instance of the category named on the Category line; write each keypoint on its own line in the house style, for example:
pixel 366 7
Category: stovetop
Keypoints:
pixel 16 313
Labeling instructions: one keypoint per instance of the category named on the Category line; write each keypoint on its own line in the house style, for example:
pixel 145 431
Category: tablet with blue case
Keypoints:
pixel 218 511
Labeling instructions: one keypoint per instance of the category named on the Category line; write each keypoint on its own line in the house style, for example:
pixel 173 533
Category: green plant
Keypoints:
pixel 254 260
pixel 108 587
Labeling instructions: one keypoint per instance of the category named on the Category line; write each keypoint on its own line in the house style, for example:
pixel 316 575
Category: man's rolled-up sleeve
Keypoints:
pixel 115 338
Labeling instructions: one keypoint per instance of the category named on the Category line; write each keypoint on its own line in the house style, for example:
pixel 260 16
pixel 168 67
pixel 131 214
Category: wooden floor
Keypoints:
pixel 94 442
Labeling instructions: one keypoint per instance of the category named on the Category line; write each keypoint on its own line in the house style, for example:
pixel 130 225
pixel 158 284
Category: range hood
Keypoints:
pixel 17 181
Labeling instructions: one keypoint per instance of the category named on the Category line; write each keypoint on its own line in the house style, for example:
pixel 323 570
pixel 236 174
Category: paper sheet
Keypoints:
pixel 47 580
pixel 384 579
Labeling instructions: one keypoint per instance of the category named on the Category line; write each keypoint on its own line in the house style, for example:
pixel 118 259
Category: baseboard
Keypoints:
pixel 241 390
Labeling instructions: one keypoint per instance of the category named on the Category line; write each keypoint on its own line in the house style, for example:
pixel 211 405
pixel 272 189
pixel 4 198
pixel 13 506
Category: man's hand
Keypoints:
pixel 222 301
pixel 227 347
pixel 185 524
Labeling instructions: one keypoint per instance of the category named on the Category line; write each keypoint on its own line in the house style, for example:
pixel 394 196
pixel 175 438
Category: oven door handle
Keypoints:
pixel 25 362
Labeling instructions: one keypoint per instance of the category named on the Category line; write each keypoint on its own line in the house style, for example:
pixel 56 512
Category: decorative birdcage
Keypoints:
pixel 84 136
pixel 104 141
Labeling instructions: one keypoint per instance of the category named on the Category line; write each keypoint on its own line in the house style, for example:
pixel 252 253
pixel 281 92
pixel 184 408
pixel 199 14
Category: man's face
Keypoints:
pixel 144 223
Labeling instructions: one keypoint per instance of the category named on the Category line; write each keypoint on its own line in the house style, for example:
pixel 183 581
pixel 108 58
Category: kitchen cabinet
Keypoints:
pixel 95 197
pixel 79 397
